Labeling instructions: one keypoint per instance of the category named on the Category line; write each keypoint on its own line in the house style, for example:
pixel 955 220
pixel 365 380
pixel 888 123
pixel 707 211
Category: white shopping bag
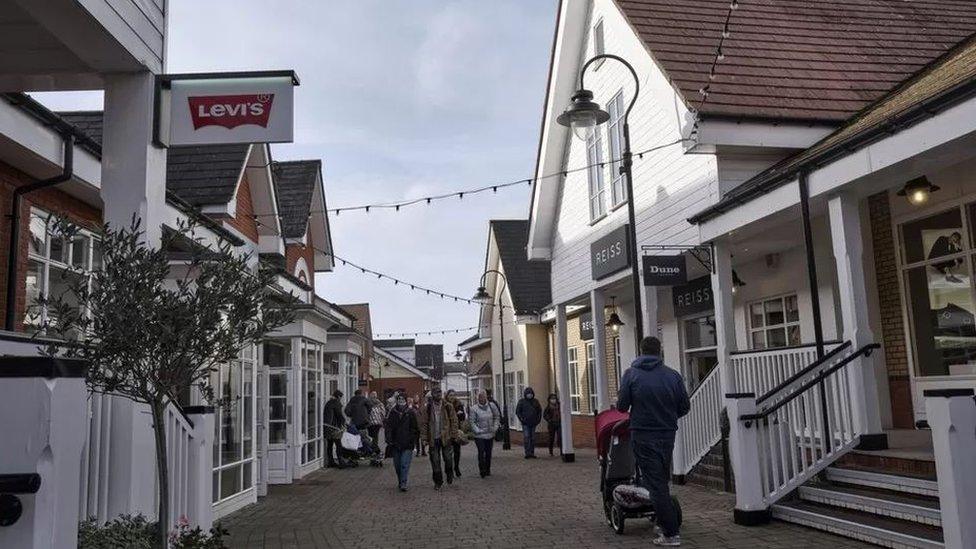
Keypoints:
pixel 351 441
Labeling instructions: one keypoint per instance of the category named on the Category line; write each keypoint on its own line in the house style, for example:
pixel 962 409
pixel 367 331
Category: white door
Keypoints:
pixel 262 432
pixel 279 465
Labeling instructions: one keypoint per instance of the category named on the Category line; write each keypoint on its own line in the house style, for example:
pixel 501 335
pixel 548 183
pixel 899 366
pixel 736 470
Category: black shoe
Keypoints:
pixel 403 488
pixel 457 473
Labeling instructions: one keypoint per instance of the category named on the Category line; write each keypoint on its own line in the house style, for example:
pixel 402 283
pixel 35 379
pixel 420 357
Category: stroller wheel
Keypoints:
pixel 617 520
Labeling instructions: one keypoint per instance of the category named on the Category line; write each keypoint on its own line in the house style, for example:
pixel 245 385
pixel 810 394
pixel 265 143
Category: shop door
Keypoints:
pixel 279 428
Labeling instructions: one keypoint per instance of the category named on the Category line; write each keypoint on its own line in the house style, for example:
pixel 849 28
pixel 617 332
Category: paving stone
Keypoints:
pixel 525 503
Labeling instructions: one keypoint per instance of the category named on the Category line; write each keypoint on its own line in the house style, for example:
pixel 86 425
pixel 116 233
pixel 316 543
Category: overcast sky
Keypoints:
pixel 400 99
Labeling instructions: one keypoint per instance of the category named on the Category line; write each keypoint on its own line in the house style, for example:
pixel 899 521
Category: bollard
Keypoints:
pixel 951 414
pixel 42 401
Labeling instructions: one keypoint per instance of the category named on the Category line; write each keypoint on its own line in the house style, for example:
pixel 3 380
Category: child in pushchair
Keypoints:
pixel 623 497
pixel 356 445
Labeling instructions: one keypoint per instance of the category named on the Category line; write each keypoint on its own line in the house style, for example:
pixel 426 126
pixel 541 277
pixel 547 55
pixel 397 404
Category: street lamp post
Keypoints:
pixel 483 297
pixel 583 115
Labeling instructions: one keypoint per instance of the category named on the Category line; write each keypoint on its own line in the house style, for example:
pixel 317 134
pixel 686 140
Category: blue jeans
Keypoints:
pixel 528 439
pixel 653 456
pixel 401 465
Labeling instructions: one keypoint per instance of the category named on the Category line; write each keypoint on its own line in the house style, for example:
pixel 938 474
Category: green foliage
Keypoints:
pixel 135 532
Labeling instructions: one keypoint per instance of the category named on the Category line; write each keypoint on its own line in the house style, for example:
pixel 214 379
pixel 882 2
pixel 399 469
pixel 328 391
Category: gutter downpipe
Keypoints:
pixel 814 290
pixel 12 277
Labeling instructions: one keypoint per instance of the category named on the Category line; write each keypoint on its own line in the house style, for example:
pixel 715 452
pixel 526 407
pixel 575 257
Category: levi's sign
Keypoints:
pixel 664 270
pixel 213 109
pixel 611 253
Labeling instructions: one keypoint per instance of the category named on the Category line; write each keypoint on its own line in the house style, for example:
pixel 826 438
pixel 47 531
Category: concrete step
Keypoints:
pixel 899 505
pixel 876 478
pixel 872 528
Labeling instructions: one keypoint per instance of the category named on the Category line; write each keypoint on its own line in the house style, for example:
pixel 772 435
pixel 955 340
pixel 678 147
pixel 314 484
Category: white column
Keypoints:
pixel 43 432
pixel 724 312
pixel 562 379
pixel 750 509
pixel 200 480
pixel 296 402
pixel 951 414
pixel 598 303
pixel 845 233
pixel 133 169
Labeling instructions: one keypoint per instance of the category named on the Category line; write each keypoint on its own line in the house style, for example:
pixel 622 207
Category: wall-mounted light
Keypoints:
pixel 918 190
pixel 614 322
pixel 736 282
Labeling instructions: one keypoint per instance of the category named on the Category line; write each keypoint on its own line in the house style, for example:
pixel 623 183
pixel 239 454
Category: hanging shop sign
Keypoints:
pixel 693 298
pixel 665 270
pixel 610 254
pixel 586 326
pixel 225 108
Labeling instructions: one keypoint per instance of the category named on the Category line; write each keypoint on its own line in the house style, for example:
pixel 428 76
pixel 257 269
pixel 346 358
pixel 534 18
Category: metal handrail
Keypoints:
pixel 866 351
pixel 813 366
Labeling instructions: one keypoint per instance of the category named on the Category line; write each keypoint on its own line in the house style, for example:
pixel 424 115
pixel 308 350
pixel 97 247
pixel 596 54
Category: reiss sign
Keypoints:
pixel 210 109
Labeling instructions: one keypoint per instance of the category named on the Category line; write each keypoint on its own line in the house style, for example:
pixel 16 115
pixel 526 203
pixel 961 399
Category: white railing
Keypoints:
pixel 701 428
pixel 762 371
pixel 96 460
pixel 792 435
pixel 179 441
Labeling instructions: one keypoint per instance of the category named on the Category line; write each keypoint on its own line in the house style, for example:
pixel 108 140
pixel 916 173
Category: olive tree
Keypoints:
pixel 152 324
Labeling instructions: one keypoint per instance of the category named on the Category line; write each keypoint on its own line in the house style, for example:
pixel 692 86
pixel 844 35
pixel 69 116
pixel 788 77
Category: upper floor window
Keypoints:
pixel 599 42
pixel 615 133
pixel 774 322
pixel 594 159
pixel 56 264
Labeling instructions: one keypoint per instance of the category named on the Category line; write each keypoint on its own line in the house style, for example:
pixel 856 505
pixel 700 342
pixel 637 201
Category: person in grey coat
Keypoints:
pixel 484 422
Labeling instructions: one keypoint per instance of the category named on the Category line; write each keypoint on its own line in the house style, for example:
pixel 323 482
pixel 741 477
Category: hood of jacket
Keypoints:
pixel 647 362
pixel 527 391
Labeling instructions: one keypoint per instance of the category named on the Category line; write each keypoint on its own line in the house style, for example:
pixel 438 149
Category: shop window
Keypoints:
pixel 311 395
pixel 234 445
pixel 575 394
pixel 938 278
pixel 700 350
pixel 56 265
pixel 594 159
pixel 615 133
pixel 591 375
pixel 774 322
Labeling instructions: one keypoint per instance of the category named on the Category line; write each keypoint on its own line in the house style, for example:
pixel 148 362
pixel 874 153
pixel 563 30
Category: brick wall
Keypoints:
pixel 892 323
pixel 243 219
pixel 295 251
pixel 412 385
pixel 51 200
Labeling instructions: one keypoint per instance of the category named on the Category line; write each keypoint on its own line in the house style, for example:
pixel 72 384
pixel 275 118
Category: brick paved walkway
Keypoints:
pixel 525 503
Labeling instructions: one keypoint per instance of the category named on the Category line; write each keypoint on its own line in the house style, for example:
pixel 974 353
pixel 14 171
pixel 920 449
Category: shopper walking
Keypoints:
pixel 415 406
pixel 484 424
pixel 334 424
pixel 401 433
pixel 357 409
pixel 456 442
pixel 529 413
pixel 656 397
pixel 499 435
pixel 377 416
pixel 438 426
pixel 552 417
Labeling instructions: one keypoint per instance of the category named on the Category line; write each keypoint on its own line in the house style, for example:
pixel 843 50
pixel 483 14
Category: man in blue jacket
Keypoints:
pixel 655 396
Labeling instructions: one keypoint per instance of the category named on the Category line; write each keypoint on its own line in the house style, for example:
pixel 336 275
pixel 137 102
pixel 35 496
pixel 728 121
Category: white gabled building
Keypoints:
pixel 790 74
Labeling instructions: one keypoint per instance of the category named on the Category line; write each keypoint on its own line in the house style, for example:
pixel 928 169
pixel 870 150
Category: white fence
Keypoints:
pixel 701 428
pixel 762 371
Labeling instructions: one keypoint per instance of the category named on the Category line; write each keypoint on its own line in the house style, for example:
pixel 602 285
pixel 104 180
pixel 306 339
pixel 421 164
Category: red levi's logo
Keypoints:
pixel 230 111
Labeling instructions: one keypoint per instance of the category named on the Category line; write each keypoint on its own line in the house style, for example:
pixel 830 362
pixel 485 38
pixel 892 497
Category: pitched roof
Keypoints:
pixel 455 367
pixel 198 175
pixel 950 79
pixel 480 369
pixel 294 185
pixel 815 60
pixel 393 343
pixel 529 282
pixel 429 356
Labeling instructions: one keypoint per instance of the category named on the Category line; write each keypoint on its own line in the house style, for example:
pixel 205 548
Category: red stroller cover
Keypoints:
pixel 606 425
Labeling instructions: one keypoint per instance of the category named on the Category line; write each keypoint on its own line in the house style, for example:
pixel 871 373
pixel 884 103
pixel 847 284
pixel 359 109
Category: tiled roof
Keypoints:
pixel 820 60
pixel 393 343
pixel 455 367
pixel 88 122
pixel 528 281
pixel 294 185
pixel 951 79
pixel 429 356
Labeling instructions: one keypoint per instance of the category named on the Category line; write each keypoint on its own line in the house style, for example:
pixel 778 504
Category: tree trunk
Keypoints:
pixel 162 472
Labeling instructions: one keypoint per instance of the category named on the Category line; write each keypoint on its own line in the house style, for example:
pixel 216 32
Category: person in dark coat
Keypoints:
pixel 357 409
pixel 552 417
pixel 402 430
pixel 529 413
pixel 656 398
pixel 456 443
pixel 334 423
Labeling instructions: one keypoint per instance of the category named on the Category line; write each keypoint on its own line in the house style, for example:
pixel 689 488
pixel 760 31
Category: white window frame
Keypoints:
pixel 312 440
pixel 766 328
pixel 599 42
pixel 615 137
pixel 575 393
pixel 591 375
pixel 595 182
pixel 38 317
pixel 246 392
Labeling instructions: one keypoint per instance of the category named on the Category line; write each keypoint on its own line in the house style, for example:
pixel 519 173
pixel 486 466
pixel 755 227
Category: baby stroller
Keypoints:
pixel 623 497
pixel 356 446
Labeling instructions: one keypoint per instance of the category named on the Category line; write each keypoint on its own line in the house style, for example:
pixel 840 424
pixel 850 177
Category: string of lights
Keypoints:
pixel 712 70
pixel 438 332
pixel 396 206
